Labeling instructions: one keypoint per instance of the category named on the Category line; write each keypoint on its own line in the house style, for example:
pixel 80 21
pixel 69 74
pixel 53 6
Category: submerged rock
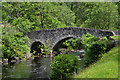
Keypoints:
pixel 46 55
pixel 28 55
pixel 16 58
pixel 13 61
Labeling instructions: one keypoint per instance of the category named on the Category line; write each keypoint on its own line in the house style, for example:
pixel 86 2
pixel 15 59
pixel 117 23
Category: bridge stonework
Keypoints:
pixel 54 37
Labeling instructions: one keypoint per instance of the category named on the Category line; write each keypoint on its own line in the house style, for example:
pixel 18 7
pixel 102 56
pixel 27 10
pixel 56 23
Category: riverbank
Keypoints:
pixel 106 67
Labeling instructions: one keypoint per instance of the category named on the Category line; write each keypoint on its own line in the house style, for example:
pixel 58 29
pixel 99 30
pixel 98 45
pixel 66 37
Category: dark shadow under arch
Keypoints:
pixel 35 47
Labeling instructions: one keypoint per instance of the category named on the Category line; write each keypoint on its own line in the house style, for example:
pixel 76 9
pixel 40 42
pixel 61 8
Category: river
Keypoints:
pixel 34 69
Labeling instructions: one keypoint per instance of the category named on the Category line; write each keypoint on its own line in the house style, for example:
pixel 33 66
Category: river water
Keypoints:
pixel 36 68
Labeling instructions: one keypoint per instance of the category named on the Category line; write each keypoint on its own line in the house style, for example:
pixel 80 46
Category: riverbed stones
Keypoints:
pixel 13 61
pixel 5 60
pixel 1 61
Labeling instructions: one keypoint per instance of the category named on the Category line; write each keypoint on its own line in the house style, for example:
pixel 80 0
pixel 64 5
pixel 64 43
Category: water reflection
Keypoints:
pixel 16 70
pixel 37 68
pixel 40 68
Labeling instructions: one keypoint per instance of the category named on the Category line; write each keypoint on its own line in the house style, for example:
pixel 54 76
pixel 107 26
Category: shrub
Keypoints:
pixel 94 52
pixel 88 39
pixel 73 43
pixel 94 48
pixel 13 42
pixel 63 66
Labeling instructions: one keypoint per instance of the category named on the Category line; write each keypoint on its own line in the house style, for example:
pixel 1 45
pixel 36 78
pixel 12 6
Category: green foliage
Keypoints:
pixel 94 48
pixel 13 42
pixel 116 37
pixel 106 67
pixel 63 66
pixel 102 16
pixel 94 52
pixel 28 16
pixel 72 43
pixel 36 16
pixel 96 15
pixel 88 39
pixel 46 48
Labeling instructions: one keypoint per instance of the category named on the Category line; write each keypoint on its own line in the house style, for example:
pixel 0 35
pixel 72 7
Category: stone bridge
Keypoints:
pixel 54 37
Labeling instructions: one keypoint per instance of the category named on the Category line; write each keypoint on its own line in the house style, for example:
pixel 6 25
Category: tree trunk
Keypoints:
pixel 71 6
pixel 41 13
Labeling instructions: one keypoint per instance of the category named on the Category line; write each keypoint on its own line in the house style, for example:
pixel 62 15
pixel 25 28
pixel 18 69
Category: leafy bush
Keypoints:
pixel 13 42
pixel 73 43
pixel 63 66
pixel 88 39
pixel 94 52
pixel 94 48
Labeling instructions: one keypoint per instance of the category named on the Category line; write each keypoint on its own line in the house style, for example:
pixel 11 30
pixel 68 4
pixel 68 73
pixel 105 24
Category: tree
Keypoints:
pixel 13 42
pixel 28 16
pixel 102 15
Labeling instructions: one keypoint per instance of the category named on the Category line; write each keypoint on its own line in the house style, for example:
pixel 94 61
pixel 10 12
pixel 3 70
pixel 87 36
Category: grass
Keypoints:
pixel 106 67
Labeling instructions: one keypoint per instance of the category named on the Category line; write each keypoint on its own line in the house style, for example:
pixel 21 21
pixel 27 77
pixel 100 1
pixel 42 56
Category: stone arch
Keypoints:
pixel 58 43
